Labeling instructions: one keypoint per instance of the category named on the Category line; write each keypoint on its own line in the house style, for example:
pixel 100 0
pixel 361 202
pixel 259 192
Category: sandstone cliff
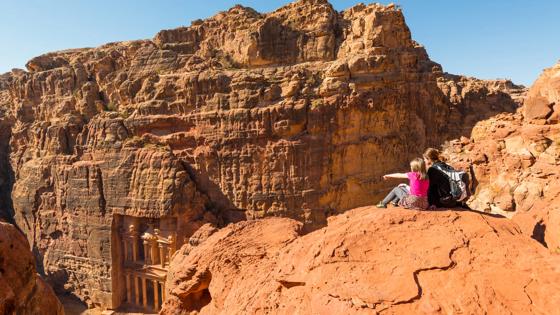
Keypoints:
pixel 368 261
pixel 22 291
pixel 514 159
pixel 294 113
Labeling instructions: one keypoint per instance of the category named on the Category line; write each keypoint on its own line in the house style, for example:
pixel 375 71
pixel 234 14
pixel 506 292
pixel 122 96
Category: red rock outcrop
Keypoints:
pixel 294 113
pixel 22 291
pixel 368 261
pixel 514 159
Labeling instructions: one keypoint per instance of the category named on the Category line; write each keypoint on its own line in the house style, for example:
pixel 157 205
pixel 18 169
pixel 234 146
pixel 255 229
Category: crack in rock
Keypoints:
pixel 415 274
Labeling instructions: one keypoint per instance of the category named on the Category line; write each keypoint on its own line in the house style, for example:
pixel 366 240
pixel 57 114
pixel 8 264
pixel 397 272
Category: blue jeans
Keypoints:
pixel 395 195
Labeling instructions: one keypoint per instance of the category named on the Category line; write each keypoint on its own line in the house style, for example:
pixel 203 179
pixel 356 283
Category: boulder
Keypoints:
pixel 22 290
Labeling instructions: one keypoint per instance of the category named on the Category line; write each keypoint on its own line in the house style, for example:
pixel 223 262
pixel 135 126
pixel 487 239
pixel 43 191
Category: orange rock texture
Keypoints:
pixel 295 113
pixel 22 291
pixel 367 261
pixel 514 159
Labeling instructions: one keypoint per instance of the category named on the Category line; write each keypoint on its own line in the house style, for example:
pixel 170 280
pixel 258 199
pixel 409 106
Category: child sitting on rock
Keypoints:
pixel 414 195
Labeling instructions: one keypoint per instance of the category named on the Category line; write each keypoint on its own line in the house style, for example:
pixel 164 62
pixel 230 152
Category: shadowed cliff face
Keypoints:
pixel 6 174
pixel 294 113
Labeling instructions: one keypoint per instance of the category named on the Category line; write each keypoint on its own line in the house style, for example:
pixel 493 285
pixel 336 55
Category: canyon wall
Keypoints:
pixel 6 174
pixel 295 113
pixel 398 261
pixel 514 159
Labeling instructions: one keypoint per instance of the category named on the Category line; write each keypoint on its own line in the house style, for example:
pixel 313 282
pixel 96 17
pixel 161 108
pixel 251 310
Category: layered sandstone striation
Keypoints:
pixel 22 291
pixel 367 261
pixel 514 159
pixel 295 113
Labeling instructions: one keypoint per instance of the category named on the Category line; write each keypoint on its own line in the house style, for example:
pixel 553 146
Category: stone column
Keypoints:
pixel 156 295
pixel 154 251
pixel 133 235
pixel 161 255
pixel 125 250
pixel 128 289
pixel 162 291
pixel 144 295
pixel 157 244
pixel 134 248
pixel 146 253
pixel 136 290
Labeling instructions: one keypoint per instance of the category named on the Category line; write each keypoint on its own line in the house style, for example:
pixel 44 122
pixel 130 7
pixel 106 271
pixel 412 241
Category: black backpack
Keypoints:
pixel 458 181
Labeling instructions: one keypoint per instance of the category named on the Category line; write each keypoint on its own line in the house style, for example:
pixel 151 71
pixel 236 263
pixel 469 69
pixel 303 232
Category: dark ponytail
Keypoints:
pixel 432 155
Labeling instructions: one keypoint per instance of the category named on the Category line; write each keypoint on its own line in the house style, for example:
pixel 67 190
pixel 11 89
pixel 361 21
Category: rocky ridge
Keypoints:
pixel 367 261
pixel 295 113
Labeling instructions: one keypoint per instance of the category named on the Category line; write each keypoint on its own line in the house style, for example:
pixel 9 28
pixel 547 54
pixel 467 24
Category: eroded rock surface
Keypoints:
pixel 515 161
pixel 294 113
pixel 22 291
pixel 368 261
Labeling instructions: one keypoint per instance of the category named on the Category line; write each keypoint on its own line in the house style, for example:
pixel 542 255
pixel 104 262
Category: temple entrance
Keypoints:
pixel 144 249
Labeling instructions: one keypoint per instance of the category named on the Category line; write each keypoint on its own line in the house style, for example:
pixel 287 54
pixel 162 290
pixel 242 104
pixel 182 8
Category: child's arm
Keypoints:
pixel 396 175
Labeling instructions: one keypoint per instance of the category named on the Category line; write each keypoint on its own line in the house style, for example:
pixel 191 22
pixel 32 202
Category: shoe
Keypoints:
pixel 395 204
pixel 381 205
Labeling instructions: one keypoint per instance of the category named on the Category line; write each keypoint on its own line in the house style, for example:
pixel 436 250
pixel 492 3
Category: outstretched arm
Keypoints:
pixel 395 175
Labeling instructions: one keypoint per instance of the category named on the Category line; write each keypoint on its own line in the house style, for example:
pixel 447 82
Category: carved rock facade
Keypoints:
pixel 294 113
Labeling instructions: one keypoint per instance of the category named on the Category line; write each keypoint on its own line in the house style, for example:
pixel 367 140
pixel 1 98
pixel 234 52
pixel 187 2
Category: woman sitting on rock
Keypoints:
pixel 414 195
pixel 439 191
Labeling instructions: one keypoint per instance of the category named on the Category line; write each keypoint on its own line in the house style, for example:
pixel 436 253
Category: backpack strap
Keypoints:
pixel 440 168
pixel 444 167
pixel 451 173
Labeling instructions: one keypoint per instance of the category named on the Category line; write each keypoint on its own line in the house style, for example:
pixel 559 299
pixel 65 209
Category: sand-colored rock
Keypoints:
pixel 543 99
pixel 368 261
pixel 514 160
pixel 22 291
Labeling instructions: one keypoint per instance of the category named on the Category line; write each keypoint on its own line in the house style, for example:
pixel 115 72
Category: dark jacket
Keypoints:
pixel 439 191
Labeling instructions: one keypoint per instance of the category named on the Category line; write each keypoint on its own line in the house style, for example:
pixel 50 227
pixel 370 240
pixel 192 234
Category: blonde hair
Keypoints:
pixel 419 166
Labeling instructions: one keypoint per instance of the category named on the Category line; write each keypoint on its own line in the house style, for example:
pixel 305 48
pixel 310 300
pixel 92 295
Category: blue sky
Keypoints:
pixel 512 39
